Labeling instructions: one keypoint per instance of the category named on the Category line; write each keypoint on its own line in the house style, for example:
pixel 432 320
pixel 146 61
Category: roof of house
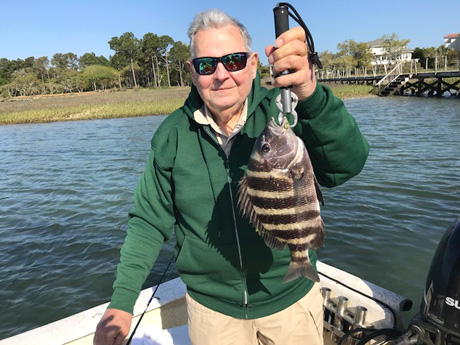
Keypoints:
pixel 376 43
pixel 452 35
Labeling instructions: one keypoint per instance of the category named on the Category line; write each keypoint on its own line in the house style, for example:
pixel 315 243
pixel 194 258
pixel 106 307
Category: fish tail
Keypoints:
pixel 298 269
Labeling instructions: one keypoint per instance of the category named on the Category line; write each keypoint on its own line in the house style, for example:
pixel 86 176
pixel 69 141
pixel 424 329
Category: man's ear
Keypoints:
pixel 191 70
pixel 254 62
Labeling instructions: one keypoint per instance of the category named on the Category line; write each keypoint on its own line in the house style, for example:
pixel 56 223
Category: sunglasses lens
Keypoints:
pixel 205 66
pixel 234 62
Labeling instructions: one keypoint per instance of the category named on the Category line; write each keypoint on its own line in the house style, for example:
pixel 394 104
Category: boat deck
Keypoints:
pixel 349 302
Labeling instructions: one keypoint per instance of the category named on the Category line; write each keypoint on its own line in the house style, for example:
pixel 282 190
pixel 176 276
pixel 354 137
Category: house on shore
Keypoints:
pixel 452 41
pixel 382 55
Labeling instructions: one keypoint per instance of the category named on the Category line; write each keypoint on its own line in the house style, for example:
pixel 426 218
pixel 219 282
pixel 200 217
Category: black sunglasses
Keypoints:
pixel 232 63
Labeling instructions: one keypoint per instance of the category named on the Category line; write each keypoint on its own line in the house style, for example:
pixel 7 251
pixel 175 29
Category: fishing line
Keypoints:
pixel 150 300
pixel 390 333
pixel 312 55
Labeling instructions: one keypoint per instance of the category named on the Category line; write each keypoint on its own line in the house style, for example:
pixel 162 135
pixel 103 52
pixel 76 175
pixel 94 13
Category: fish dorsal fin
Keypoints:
pixel 297 171
pixel 247 209
pixel 319 195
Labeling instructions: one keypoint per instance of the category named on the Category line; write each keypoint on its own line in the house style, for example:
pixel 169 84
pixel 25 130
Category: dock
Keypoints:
pixel 404 80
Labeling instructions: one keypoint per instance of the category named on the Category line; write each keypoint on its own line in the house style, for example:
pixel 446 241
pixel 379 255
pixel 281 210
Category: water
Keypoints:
pixel 66 188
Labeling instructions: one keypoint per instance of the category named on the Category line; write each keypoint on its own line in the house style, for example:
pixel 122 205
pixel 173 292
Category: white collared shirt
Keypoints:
pixel 204 117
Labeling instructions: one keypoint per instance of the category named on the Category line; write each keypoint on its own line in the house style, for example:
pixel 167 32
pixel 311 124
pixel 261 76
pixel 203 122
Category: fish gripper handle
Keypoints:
pixel 281 15
pixel 281 19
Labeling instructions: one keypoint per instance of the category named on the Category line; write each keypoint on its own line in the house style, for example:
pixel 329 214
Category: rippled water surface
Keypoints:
pixel 66 188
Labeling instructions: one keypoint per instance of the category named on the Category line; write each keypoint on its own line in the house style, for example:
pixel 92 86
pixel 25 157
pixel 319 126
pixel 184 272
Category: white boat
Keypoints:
pixel 356 312
pixel 350 302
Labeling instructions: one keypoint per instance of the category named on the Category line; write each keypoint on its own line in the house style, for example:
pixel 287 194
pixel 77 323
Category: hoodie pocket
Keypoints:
pixel 209 269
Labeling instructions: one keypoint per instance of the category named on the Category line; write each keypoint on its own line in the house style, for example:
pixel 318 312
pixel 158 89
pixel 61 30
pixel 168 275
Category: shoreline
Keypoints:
pixel 97 105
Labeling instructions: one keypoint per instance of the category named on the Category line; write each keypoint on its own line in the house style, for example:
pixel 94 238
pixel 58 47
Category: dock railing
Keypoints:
pixel 410 67
pixel 391 76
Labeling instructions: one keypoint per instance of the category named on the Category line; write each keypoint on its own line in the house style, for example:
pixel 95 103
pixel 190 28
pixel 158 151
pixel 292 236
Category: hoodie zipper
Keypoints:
pixel 240 256
pixel 227 165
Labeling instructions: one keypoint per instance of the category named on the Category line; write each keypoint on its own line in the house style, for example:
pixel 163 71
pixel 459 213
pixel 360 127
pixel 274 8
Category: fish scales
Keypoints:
pixel 280 196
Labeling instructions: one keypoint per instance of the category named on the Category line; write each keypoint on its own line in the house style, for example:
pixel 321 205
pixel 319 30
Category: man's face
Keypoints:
pixel 223 92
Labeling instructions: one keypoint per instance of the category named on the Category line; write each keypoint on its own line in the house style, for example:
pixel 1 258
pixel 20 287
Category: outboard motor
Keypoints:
pixel 438 322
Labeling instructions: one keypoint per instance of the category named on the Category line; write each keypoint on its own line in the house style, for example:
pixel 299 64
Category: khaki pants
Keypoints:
pixel 301 323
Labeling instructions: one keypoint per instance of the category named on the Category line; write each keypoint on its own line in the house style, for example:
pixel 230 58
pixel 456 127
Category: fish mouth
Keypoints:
pixel 276 128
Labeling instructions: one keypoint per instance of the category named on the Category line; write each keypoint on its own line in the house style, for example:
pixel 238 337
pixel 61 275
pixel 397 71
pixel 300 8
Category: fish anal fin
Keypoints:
pixel 271 241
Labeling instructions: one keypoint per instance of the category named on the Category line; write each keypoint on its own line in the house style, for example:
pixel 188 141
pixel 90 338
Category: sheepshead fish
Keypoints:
pixel 280 196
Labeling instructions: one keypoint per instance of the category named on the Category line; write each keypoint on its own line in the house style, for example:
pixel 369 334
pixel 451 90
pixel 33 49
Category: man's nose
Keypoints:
pixel 221 72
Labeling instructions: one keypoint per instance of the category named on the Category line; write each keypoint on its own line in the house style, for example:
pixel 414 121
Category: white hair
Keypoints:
pixel 215 19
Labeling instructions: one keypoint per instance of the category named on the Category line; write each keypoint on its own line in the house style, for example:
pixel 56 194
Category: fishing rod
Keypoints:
pixel 287 100
pixel 150 300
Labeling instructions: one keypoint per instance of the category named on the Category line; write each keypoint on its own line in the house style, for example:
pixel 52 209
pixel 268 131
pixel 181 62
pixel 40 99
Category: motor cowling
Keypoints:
pixel 439 318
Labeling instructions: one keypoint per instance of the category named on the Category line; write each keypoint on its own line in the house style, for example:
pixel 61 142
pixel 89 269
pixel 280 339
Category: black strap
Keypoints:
pixel 312 55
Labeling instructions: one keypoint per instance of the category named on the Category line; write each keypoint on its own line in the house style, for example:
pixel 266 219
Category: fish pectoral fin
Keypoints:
pixel 271 241
pixel 297 174
pixel 247 209
pixel 244 203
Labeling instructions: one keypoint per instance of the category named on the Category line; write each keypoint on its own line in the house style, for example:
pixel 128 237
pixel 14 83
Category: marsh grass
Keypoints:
pixel 347 91
pixel 91 105
pixel 104 105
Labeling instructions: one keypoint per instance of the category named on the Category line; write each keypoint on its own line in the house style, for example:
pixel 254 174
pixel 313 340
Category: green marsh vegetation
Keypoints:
pixel 91 105
pixel 113 104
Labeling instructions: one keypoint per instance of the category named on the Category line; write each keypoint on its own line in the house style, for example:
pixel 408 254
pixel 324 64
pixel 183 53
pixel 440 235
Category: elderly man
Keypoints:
pixel 235 293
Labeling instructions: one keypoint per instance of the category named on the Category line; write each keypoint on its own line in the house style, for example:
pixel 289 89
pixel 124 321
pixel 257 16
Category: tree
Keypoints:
pixel 127 46
pixel 433 55
pixel 65 61
pixel 150 45
pixel 327 59
pixel 8 67
pixel 419 55
pixel 25 82
pixel 358 50
pixel 394 46
pixel 101 76
pixel 5 74
pixel 165 42
pixel 118 62
pixel 89 59
pixel 179 54
pixel 345 62
pixel 41 67
pixel 70 81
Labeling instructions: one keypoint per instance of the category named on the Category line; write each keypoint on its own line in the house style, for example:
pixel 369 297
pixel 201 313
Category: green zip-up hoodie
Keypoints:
pixel 190 185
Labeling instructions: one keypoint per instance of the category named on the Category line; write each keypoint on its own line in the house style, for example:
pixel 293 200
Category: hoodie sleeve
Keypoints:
pixel 150 225
pixel 335 144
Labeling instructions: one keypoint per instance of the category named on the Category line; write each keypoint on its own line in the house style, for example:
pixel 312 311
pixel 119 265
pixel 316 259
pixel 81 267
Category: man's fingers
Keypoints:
pixel 269 51
pixel 296 33
pixel 119 339
pixel 290 53
pixel 113 327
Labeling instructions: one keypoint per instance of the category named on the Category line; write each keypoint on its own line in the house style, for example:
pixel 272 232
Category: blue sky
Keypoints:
pixel 43 28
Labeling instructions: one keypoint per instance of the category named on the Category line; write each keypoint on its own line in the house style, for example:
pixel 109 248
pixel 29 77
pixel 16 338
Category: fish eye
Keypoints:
pixel 266 148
